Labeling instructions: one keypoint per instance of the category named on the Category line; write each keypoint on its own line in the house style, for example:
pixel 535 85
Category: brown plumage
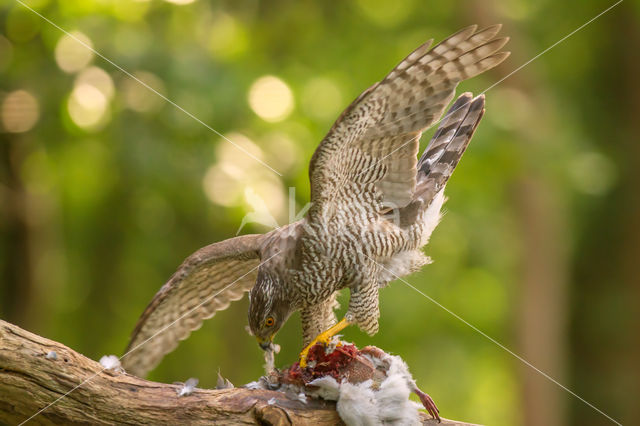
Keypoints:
pixel 374 206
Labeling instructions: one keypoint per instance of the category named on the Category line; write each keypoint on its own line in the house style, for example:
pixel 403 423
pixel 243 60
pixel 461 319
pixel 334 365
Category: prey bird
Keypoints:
pixel 374 205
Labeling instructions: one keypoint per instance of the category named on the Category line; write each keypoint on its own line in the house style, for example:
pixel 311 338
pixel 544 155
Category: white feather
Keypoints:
pixel 111 362
pixel 431 216
pixel 188 387
pixel 392 400
pixel 401 264
pixel 357 405
pixel 328 388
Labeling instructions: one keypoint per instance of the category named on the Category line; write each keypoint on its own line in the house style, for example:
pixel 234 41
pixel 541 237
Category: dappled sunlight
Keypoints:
pixel 221 188
pixel 271 99
pixel 19 112
pixel 229 182
pixel 283 152
pixel 106 186
pixel 180 2
pixel 592 173
pixel 87 106
pixel 138 97
pixel 98 78
pixel 232 156
pixel 272 193
pixel 73 55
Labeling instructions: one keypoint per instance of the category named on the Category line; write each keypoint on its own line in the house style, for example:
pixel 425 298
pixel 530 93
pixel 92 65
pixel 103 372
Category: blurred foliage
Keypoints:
pixel 106 187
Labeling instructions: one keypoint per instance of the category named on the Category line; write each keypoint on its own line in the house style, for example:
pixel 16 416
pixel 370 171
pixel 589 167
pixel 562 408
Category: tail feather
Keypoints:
pixel 443 153
pixel 449 142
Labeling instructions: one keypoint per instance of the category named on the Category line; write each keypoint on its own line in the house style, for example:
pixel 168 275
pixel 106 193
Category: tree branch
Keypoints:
pixel 30 381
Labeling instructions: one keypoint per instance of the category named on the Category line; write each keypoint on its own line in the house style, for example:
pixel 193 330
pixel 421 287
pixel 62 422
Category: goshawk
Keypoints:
pixel 374 206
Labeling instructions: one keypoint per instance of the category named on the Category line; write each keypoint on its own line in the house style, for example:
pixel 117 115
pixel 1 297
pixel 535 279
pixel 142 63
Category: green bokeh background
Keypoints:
pixel 538 249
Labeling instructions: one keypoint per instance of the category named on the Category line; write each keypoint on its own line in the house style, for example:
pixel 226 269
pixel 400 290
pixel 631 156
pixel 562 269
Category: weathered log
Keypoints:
pixel 70 388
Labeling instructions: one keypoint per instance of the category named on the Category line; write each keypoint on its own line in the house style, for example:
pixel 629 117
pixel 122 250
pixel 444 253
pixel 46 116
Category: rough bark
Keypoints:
pixel 30 381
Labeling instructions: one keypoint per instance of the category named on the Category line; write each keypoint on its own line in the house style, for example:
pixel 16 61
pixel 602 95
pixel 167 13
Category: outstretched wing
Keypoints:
pixel 206 282
pixel 374 144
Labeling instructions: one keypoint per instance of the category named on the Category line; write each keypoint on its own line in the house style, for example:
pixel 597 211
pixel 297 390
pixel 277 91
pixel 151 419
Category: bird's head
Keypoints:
pixel 269 308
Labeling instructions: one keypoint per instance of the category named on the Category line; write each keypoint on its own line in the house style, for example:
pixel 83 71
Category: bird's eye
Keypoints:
pixel 269 322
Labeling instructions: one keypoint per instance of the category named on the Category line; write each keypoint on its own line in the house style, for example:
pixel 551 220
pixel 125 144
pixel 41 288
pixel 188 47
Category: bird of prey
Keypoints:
pixel 374 205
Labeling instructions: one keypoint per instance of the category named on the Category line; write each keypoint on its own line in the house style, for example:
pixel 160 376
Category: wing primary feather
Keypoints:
pixel 384 124
pixel 206 282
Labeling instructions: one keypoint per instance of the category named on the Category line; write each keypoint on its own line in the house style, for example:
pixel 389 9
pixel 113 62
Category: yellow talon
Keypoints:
pixel 324 337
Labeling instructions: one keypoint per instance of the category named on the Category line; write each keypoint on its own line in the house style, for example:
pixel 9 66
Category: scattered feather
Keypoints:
pixel 52 355
pixel 188 387
pixel 263 383
pixel 112 363
pixel 223 383
pixel 254 385
pixel 272 401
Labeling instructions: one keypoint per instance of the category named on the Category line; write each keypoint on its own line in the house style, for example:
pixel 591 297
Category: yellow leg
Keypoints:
pixel 324 337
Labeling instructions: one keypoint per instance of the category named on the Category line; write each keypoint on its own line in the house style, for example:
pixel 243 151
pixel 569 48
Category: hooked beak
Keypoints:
pixel 265 344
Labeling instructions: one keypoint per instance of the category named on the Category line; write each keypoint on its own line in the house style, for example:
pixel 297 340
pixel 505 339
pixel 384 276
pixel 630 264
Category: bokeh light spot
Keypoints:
pixel 592 173
pixel 230 183
pixel 232 159
pixel 71 55
pixel 266 200
pixel 180 2
pixel 219 187
pixel 138 97
pixel 271 99
pixel 284 153
pixel 87 106
pixel 98 78
pixel 20 111
pixel 224 182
